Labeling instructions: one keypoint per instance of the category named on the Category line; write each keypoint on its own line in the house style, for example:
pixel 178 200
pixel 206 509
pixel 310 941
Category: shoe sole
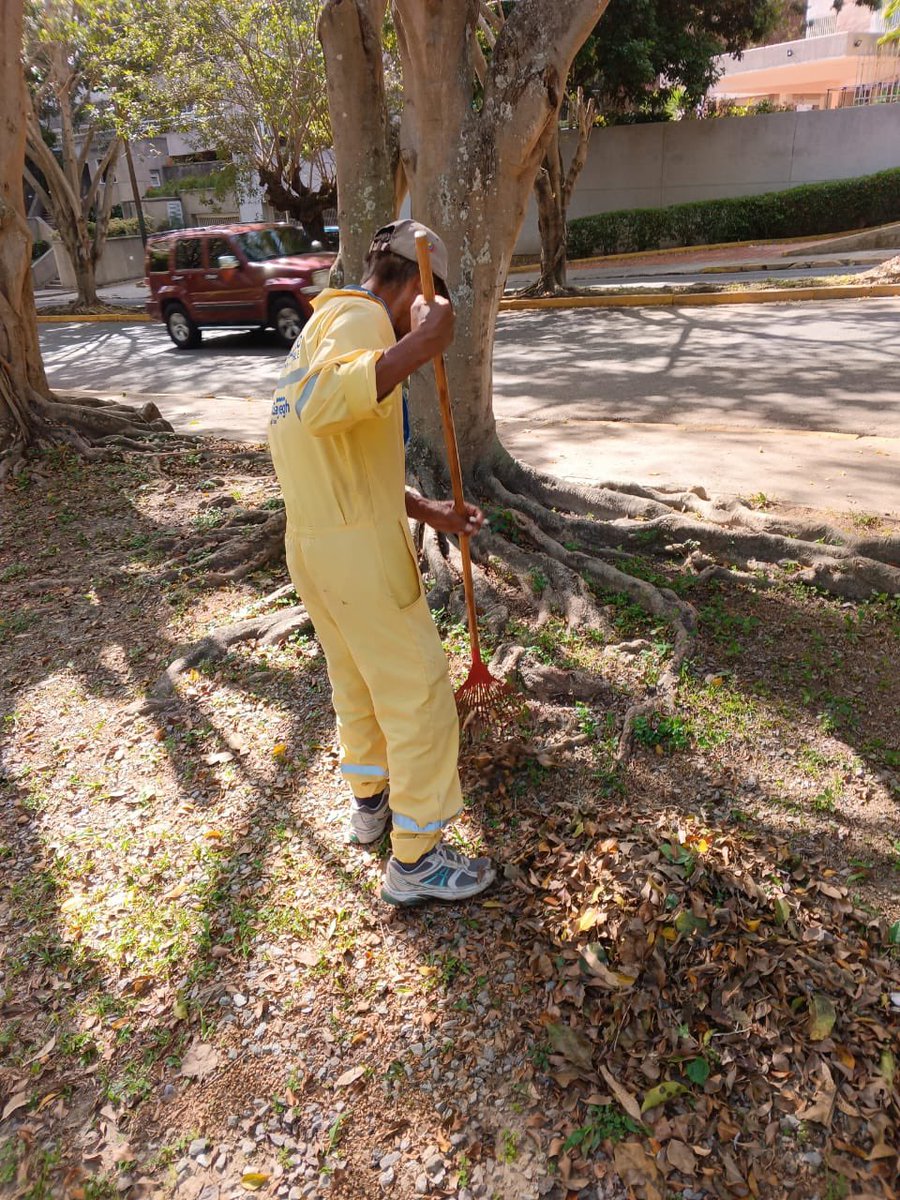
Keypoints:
pixel 352 840
pixel 412 901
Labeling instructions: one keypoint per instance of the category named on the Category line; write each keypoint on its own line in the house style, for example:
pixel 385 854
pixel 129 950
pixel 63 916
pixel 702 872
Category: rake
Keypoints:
pixel 482 697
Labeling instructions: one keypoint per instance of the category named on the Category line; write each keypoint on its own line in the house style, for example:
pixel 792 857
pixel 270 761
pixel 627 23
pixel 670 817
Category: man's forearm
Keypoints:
pixel 398 363
pixel 415 505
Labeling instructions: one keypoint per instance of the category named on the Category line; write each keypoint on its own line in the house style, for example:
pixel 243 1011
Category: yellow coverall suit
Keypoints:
pixel 339 457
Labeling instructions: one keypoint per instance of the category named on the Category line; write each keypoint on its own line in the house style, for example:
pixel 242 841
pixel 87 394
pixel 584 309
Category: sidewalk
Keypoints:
pixel 644 271
pixel 655 267
pixel 129 293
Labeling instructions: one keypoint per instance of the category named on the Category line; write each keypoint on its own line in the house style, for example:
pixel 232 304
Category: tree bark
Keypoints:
pixel 22 378
pixel 470 171
pixel 350 33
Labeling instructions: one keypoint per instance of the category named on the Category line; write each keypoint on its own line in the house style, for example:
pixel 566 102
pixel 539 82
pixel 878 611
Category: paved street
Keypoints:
pixel 798 401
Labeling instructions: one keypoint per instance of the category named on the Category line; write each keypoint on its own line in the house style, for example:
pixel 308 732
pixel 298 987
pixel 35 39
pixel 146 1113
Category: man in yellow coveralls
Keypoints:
pixel 337 439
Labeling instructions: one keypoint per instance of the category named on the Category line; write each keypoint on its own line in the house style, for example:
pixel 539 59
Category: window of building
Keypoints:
pixel 155 179
pixel 187 254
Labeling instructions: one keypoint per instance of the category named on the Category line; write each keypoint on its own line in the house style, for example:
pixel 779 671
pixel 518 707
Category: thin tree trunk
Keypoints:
pixel 350 33
pixel 553 189
pixel 548 190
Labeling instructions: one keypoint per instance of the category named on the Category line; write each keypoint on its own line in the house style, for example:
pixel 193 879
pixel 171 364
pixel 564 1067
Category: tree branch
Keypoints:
pixel 584 116
pixel 58 185
pixel 106 164
pixel 39 189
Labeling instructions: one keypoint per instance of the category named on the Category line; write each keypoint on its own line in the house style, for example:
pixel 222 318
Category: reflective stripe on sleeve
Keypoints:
pixel 306 392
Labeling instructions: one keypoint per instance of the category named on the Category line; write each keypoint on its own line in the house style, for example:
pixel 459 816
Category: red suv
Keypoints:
pixel 234 276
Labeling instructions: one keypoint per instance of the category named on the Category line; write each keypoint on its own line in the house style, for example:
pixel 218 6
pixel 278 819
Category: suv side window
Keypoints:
pixel 187 254
pixel 158 258
pixel 215 248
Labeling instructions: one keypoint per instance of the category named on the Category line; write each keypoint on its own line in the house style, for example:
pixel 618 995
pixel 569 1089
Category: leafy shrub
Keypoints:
pixel 39 248
pixel 126 227
pixel 216 182
pixel 814 208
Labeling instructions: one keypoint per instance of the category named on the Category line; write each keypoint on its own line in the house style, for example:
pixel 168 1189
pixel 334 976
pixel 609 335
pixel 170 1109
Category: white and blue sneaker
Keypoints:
pixel 369 820
pixel 442 874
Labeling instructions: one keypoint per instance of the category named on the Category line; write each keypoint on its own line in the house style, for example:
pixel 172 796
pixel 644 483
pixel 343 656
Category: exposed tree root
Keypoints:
pixel 545 681
pixel 248 540
pixel 563 546
pixel 637 520
pixel 91 427
pixel 270 629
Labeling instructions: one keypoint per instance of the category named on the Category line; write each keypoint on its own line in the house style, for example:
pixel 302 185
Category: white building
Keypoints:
pixel 839 63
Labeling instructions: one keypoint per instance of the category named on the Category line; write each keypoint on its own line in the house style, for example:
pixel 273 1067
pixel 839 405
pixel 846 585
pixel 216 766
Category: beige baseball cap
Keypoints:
pixel 400 238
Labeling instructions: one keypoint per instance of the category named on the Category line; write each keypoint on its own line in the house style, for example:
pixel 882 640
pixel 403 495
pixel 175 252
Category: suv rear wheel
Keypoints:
pixel 287 319
pixel 182 330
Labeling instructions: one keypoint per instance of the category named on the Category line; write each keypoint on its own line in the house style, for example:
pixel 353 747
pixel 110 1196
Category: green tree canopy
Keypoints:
pixel 644 51
pixel 250 79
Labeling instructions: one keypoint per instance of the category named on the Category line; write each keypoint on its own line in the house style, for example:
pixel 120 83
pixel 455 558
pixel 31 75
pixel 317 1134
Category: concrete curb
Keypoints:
pixel 850 291
pixel 707 299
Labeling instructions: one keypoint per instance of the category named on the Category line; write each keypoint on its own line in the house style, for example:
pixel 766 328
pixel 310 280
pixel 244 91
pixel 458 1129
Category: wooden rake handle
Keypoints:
pixel 423 255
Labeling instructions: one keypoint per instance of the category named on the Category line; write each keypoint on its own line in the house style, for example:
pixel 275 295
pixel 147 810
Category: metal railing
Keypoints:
pixel 821 26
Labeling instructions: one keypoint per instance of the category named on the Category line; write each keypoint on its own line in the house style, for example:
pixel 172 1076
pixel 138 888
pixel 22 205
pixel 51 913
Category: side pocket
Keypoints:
pixel 401 572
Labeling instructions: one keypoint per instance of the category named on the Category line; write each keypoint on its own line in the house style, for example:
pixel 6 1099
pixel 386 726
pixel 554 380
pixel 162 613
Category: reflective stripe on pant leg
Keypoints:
pixel 363 750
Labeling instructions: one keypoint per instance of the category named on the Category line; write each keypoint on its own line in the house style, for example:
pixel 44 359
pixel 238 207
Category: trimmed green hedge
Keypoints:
pixel 815 208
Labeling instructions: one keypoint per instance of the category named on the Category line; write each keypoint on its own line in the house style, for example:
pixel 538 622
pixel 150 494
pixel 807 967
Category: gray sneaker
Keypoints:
pixel 368 825
pixel 443 874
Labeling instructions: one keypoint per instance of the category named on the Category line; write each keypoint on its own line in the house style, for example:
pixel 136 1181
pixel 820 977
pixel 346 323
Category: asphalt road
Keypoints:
pixel 675 395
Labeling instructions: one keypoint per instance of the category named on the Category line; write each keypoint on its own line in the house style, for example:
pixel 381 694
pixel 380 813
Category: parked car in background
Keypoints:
pixel 236 277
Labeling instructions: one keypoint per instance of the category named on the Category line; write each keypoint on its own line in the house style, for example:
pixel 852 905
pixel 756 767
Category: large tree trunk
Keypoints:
pixel 78 245
pixel 470 171
pixel 350 32
pixel 22 379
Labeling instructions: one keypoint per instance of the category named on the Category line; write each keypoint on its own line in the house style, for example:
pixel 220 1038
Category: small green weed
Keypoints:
pixel 509 1148
pixel 825 801
pixel 334 1133
pixel 604 1122
pixel 669 733
pixel 587 721
pixel 210 518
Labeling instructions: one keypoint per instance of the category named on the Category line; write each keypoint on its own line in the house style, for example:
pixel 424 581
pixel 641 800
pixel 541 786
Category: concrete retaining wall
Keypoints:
pixel 122 258
pixel 651 166
pixel 44 269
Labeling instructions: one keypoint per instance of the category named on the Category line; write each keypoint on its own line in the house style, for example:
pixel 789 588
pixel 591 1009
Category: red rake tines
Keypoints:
pixel 484 700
